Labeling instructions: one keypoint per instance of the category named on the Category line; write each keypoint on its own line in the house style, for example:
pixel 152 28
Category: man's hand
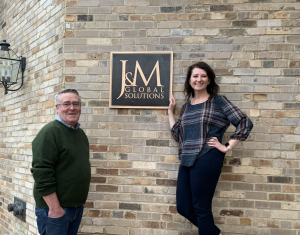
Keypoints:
pixel 55 210
pixel 56 213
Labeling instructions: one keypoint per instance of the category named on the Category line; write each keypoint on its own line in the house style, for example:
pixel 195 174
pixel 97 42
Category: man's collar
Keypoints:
pixel 66 124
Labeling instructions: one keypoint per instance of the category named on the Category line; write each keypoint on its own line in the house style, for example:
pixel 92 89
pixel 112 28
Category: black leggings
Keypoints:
pixel 195 190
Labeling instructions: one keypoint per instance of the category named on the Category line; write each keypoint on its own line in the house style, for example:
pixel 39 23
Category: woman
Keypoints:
pixel 199 131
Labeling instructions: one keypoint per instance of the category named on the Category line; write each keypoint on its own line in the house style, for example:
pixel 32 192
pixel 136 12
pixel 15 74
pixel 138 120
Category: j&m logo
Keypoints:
pixel 140 79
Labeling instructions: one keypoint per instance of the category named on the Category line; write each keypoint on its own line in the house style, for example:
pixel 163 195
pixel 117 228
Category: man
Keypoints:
pixel 61 169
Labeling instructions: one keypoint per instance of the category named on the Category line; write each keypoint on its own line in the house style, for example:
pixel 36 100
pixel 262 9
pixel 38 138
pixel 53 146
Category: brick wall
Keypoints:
pixel 253 46
pixel 35 30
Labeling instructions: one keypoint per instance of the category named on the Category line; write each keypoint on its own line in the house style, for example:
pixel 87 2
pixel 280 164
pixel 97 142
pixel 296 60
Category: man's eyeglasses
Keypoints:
pixel 68 104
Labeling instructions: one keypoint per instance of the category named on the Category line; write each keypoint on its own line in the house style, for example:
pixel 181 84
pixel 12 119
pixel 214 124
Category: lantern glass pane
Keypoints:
pixel 1 69
pixel 15 66
pixel 13 55
pixel 10 54
pixel 4 54
pixel 9 71
pixel 5 71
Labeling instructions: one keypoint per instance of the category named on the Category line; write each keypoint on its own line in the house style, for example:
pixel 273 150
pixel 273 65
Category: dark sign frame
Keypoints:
pixel 141 80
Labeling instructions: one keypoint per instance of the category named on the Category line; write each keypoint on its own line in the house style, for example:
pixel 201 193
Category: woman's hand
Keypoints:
pixel 214 142
pixel 171 108
pixel 172 104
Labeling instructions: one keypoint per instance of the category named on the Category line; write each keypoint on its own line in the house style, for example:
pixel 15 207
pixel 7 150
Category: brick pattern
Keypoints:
pixel 251 44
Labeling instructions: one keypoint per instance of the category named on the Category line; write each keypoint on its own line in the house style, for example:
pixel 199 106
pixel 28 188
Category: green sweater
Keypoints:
pixel 61 164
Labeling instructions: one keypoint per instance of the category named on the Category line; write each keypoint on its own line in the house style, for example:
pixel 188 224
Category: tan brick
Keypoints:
pixel 254 113
pixel 119 164
pixel 167 217
pixel 255 145
pixel 232 177
pixel 259 222
pixel 270 105
pixel 281 197
pixel 232 220
pixel 168 25
pixel 273 223
pixel 282 15
pixel 290 189
pixel 140 231
pixel 70 63
pixel 170 159
pixel 106 205
pixel 278 31
pixel 143 134
pixel 259 97
pixel 91 229
pixel 71 4
pixel 243 169
pixel 290 205
pixel 147 165
pixel 255 63
pixel 267 113
pixel 267 171
pixel 87 63
pixel 232 194
pixel 49 104
pixel 71 17
pixel 116 230
pixel 296 225
pixel 245 221
pixel 69 34
pixel 290 138
pixel 284 215
pixel 98 148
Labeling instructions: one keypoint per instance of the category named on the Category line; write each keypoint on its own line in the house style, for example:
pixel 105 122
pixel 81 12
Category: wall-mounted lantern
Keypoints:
pixel 10 65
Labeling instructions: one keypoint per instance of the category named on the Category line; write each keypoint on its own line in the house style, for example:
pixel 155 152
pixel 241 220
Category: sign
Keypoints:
pixel 141 79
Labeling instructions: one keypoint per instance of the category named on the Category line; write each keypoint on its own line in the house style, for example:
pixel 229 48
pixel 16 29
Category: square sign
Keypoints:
pixel 141 79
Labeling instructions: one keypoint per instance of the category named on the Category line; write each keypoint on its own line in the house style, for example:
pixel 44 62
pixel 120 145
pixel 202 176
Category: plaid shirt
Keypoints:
pixel 200 122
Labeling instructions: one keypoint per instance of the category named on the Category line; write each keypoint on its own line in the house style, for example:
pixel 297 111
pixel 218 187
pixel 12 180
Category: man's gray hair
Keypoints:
pixel 57 96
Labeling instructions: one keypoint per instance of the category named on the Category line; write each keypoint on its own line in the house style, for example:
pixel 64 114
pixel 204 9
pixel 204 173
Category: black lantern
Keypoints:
pixel 10 65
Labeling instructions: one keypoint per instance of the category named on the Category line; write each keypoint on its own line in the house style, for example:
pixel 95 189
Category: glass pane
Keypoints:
pixel 13 55
pixel 6 71
pixel 10 54
pixel 1 69
pixel 14 72
pixel 4 54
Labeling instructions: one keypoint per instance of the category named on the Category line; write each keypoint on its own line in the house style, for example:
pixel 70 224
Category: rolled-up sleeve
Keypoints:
pixel 240 120
pixel 175 131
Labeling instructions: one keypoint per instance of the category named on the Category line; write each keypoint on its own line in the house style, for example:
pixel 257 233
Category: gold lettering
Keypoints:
pixel 144 95
pixel 155 90
pixel 141 90
pixel 138 67
pixel 134 89
pixel 125 78
pixel 161 89
pixel 127 90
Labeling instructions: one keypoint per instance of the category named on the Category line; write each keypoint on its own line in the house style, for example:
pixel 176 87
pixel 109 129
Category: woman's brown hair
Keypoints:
pixel 212 87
